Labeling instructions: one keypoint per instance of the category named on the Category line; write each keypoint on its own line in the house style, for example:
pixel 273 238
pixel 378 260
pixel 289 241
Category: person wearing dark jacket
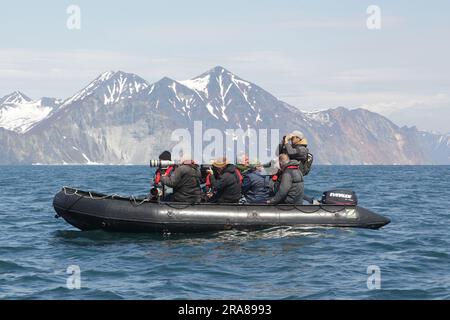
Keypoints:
pixel 255 186
pixel 227 185
pixel 290 188
pixel 185 181
pixel 297 149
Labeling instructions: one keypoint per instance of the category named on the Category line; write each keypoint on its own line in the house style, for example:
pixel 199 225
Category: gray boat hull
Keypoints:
pixel 92 211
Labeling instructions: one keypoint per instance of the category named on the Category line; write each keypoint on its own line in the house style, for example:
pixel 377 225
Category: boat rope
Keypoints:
pixel 69 194
pixel 73 203
pixel 300 208
pixel 89 193
pixel 303 211
pixel 283 208
pixel 332 211
pixel 136 202
pixel 296 207
pixel 180 207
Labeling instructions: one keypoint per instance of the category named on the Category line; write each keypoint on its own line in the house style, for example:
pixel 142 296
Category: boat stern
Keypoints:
pixel 371 220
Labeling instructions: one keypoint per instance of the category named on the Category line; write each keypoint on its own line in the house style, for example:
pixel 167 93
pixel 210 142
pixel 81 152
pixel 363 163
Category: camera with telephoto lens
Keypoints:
pixel 163 163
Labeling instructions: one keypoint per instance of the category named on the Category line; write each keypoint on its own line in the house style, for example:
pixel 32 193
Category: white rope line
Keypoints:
pixel 90 194
pixel 133 200
pixel 321 211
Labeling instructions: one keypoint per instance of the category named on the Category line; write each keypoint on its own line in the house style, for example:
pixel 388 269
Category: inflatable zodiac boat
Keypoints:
pixel 92 211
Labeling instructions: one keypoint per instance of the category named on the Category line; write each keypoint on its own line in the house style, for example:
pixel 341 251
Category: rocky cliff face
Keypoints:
pixel 119 118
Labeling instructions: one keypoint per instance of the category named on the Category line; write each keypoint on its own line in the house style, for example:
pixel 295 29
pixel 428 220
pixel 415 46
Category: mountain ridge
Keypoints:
pixel 120 118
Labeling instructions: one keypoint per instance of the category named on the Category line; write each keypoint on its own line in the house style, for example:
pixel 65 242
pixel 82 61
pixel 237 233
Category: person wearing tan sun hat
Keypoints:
pixel 225 180
pixel 295 145
pixel 219 162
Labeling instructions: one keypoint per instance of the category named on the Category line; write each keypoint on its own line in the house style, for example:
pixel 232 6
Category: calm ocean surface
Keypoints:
pixel 412 253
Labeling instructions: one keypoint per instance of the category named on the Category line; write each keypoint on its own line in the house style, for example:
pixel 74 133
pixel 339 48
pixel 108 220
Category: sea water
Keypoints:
pixel 45 258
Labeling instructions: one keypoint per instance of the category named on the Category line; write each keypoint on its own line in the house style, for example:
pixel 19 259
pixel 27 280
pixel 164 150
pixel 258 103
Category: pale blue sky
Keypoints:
pixel 312 54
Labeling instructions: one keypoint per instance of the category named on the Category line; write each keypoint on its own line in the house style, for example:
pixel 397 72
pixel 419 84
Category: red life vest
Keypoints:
pixel 157 177
pixel 169 170
pixel 241 178
pixel 208 180
pixel 166 174
pixel 276 176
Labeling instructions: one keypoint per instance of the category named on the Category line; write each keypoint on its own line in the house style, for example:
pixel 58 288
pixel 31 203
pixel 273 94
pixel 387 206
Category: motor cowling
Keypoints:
pixel 340 197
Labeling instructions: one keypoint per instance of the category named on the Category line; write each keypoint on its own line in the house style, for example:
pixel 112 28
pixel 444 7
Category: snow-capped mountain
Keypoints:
pixel 217 88
pixel 174 100
pixel 111 87
pixel 120 118
pixel 232 99
pixel 16 97
pixel 19 113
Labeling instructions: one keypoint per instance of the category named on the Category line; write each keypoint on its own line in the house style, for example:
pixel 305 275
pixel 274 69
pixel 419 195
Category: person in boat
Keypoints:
pixel 243 164
pixel 184 179
pixel 290 182
pixel 225 181
pixel 155 191
pixel 295 145
pixel 256 187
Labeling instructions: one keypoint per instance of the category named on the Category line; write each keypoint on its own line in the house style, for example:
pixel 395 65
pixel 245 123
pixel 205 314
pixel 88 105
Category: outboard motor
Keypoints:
pixel 340 197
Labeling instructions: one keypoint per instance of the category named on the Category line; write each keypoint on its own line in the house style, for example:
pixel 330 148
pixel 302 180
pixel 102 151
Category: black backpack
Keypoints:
pixel 307 165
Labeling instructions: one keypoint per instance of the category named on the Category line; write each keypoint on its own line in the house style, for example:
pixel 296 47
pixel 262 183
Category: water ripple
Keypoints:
pixel 412 253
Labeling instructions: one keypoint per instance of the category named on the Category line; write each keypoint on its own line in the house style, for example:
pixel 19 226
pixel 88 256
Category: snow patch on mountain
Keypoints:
pixel 219 89
pixel 89 89
pixel 21 117
pixel 224 116
pixel 122 89
pixel 320 117
pixel 211 110
pixel 16 97
pixel 240 82
pixel 445 139
pixel 199 84
pixel 124 86
pixel 111 87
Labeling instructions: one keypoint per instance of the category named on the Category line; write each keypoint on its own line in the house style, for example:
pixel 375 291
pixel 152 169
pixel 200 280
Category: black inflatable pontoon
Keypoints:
pixel 91 211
